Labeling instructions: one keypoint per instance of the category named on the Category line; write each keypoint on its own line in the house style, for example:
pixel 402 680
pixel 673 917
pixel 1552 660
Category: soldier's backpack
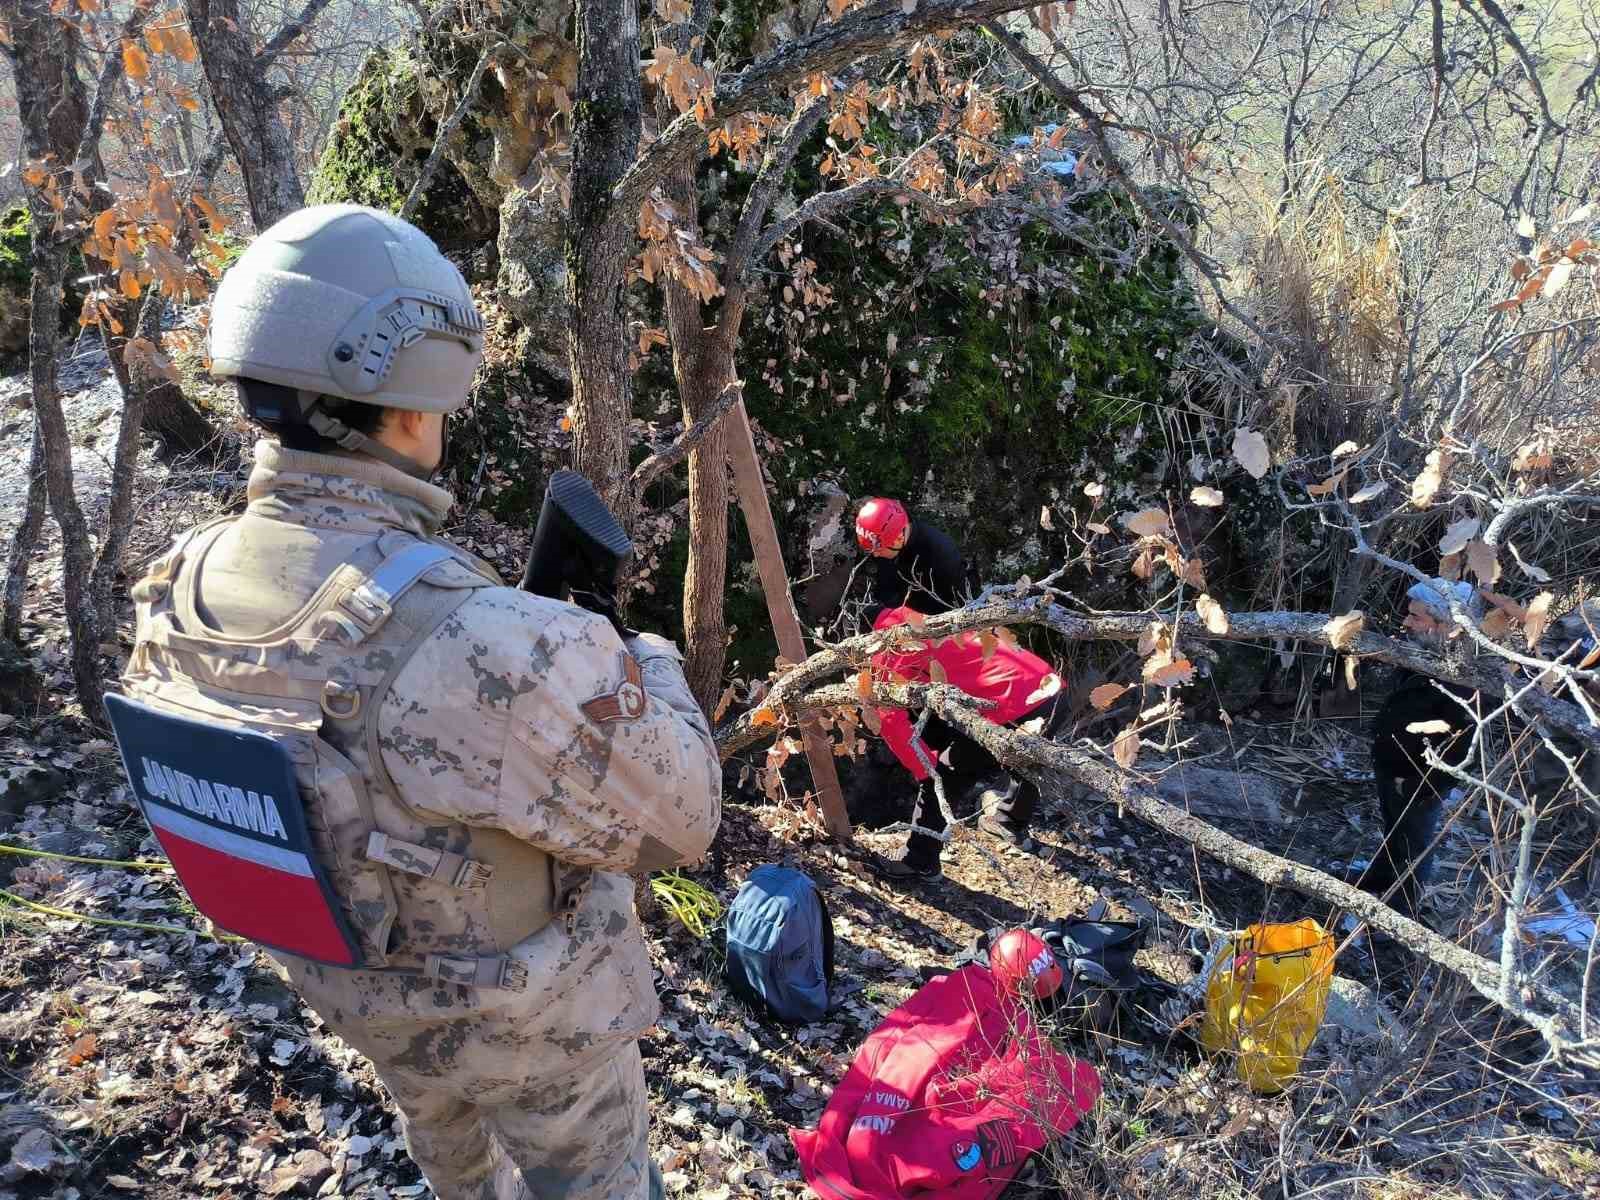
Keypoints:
pixel 780 944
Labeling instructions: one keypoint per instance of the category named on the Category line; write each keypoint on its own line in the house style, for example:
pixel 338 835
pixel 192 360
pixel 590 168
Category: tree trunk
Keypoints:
pixel 702 363
pixel 180 426
pixel 49 265
pixel 599 244
pixel 24 542
pixel 52 99
pixel 248 105
pixel 705 629
pixel 136 389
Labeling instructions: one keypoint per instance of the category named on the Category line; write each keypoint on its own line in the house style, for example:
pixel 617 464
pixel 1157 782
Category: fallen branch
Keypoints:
pixel 1482 674
pixel 1053 766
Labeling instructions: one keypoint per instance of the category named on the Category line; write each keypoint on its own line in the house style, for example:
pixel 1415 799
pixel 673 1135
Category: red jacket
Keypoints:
pixel 1017 681
pixel 948 1096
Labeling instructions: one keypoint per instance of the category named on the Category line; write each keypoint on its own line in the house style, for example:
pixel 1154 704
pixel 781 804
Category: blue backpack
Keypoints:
pixel 780 944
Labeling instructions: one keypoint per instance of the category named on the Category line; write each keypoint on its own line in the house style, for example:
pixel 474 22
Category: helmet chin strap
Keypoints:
pixel 355 441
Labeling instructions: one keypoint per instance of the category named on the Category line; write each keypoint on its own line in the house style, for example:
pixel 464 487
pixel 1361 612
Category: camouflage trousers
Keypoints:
pixel 582 1138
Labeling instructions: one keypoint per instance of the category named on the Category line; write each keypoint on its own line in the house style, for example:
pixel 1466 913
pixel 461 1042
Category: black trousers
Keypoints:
pixel 969 761
pixel 1412 809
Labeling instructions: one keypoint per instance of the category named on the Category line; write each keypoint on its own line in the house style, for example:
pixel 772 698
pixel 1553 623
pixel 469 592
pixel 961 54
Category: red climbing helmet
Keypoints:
pixel 882 525
pixel 1021 962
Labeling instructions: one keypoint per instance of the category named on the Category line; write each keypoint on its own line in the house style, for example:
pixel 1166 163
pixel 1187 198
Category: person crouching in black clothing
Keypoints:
pixel 1411 792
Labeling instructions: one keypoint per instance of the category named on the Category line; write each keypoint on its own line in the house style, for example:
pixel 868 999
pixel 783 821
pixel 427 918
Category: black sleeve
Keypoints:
pixel 888 589
pixel 946 573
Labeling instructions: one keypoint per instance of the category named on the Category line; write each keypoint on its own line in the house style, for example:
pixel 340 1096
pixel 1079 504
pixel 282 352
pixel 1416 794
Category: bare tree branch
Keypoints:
pixel 863 32
pixel 446 130
pixel 280 40
pixel 664 460
pixel 1247 627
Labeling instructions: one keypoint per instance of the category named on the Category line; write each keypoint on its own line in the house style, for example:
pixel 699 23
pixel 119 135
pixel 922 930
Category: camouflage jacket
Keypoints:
pixel 491 723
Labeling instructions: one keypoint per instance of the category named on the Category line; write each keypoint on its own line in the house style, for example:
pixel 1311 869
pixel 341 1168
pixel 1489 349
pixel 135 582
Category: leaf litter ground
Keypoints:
pixel 165 1065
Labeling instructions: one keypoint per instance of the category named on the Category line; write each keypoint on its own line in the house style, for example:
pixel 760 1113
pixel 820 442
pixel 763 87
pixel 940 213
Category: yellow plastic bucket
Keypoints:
pixel 1266 998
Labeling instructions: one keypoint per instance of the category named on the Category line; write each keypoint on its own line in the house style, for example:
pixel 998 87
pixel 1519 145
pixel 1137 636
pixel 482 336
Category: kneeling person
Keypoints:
pixel 478 769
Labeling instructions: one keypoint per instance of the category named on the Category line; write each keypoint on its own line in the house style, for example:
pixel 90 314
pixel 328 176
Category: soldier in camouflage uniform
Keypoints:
pixel 481 768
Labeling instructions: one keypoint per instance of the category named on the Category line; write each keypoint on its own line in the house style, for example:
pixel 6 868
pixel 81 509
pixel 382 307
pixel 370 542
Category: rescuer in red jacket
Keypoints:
pixel 1020 685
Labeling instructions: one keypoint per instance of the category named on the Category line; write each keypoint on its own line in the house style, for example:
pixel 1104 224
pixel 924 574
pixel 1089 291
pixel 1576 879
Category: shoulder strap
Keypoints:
pixel 193 551
pixel 364 608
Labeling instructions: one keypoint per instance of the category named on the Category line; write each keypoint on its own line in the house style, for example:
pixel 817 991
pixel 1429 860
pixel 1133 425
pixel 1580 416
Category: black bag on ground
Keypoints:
pixel 1100 982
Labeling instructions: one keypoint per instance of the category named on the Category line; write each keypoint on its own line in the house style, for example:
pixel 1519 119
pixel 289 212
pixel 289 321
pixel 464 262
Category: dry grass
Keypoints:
pixel 1331 295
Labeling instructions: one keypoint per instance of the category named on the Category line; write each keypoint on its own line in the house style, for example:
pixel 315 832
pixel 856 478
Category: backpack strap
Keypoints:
pixel 827 935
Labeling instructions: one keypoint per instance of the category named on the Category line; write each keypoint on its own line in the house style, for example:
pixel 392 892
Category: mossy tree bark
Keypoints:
pixel 247 104
pixel 599 245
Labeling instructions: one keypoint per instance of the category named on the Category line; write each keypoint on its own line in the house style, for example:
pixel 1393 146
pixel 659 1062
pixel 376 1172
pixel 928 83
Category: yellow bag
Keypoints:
pixel 1266 998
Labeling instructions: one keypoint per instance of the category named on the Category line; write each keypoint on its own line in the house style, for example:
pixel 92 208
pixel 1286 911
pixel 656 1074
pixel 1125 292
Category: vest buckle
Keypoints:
pixel 363 605
pixel 340 700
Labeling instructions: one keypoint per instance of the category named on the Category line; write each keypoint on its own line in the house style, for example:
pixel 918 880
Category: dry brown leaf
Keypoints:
pixel 1094 490
pixel 1145 565
pixel 1559 274
pixel 1216 620
pixel 1483 562
pixel 988 644
pixel 1534 456
pixel 1498 624
pixel 1104 696
pixel 1149 522
pixel 1426 485
pixel 763 717
pixel 1193 573
pixel 722 704
pixel 134 61
pixel 1450 568
pixel 82 1050
pixel 1369 492
pixel 864 685
pixel 1343 631
pixel 1328 485
pixel 1206 497
pixel 1351 664
pixel 1250 452
pixel 1538 618
pixel 1126 748
pixel 1342 449
pixel 1173 674
pixel 870 718
pixel 1097 527
pixel 1153 638
pixel 1045 521
pixel 1461 532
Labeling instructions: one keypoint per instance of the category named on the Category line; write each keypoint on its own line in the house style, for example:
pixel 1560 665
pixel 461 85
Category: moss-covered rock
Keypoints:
pixel 375 153
pixel 16 277
pixel 14 225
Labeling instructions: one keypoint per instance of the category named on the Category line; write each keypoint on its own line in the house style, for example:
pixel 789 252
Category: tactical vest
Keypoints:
pixel 314 686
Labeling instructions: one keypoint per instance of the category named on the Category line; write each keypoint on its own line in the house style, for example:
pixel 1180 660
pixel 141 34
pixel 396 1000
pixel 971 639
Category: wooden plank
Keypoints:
pixel 752 489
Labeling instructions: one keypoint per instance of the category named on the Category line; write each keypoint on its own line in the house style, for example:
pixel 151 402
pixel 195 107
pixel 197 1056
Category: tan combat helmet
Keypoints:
pixel 338 300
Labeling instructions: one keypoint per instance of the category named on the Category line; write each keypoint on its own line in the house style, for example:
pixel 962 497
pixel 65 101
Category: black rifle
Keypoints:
pixel 578 548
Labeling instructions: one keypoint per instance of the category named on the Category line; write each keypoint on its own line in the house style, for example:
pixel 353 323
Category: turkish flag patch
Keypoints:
pixel 627 703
